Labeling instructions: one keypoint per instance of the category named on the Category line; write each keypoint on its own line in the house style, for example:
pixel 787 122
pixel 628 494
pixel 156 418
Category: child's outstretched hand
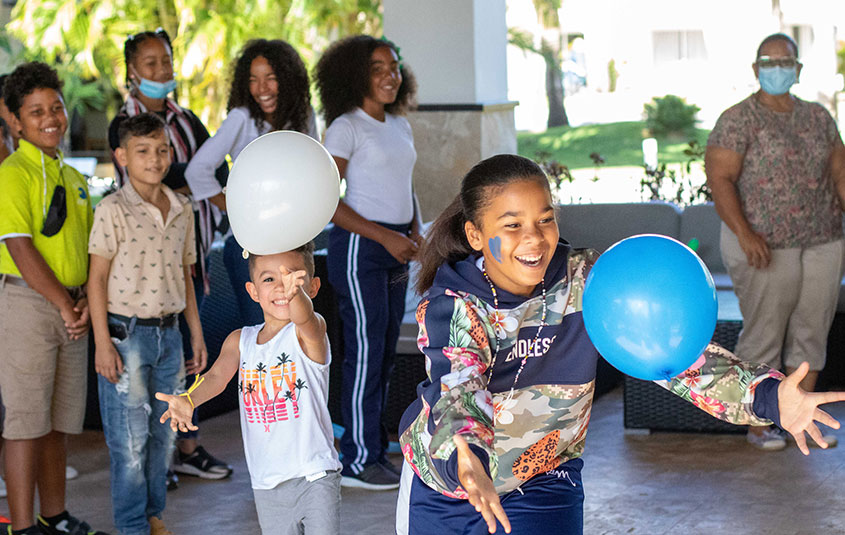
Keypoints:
pixel 799 409
pixel 179 412
pixel 292 281
pixel 479 487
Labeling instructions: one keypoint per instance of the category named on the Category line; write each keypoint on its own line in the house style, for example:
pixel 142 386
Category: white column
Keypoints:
pixel 457 51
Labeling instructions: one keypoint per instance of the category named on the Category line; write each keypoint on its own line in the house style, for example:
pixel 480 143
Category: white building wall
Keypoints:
pixel 623 30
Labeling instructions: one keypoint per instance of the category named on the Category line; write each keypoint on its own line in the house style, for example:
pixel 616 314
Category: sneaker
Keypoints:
pixel 66 524
pixel 3 490
pixel 32 530
pixel 388 465
pixel 71 473
pixel 157 526
pixel 172 480
pixel 374 476
pixel 770 440
pixel 201 464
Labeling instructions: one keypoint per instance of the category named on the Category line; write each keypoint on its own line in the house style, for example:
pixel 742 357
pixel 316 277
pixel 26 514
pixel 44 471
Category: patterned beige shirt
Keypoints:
pixel 148 253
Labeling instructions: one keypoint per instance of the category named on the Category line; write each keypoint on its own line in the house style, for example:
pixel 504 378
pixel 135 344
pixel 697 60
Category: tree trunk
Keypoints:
pixel 554 87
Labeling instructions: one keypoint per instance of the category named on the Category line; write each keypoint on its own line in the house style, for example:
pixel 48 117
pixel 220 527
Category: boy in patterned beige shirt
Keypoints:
pixel 142 248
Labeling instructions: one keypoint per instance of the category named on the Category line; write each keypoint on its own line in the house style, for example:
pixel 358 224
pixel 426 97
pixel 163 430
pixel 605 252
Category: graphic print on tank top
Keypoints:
pixel 270 391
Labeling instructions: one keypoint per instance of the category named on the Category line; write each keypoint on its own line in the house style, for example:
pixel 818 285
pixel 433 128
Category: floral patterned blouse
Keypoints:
pixel 785 186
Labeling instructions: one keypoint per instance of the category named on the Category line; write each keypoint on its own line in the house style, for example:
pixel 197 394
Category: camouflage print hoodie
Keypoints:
pixel 545 422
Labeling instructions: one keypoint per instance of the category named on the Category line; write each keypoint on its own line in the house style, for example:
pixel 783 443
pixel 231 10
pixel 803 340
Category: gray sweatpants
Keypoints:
pixel 296 507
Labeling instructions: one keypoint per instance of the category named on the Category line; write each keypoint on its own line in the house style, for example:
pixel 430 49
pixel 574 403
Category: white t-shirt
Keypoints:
pixel 381 158
pixel 283 398
pixel 237 131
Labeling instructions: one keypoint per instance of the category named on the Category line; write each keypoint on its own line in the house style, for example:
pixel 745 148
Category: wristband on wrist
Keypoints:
pixel 197 381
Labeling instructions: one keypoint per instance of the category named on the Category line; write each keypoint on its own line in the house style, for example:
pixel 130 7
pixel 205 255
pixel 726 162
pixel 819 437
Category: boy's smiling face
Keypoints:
pixel 266 286
pixel 146 158
pixel 42 119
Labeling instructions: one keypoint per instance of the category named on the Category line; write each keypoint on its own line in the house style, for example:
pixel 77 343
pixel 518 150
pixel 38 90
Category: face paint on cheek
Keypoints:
pixel 495 245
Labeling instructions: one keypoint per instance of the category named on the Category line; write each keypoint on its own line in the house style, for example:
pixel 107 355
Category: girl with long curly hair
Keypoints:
pixel 364 89
pixel 270 91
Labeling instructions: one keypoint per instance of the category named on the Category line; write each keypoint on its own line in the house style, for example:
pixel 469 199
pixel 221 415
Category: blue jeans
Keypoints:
pixel 140 446
pixel 238 269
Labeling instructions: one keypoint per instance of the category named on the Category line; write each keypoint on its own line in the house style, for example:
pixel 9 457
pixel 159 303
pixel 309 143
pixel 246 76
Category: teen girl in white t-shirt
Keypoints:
pixel 270 91
pixel 364 88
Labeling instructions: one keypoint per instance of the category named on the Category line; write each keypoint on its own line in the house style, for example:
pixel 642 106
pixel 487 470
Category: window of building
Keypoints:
pixel 678 45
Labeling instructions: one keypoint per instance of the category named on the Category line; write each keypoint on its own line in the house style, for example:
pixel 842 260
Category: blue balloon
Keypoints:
pixel 650 306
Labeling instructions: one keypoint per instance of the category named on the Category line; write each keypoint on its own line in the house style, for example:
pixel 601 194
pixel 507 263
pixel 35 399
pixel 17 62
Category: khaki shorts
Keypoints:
pixel 43 374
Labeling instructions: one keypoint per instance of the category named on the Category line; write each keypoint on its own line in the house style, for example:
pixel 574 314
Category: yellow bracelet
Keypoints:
pixel 197 381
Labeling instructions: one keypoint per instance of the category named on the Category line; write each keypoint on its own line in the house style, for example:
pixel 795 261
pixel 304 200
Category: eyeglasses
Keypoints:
pixel 765 62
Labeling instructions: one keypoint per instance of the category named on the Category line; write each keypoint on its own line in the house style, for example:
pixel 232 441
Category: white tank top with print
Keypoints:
pixel 283 398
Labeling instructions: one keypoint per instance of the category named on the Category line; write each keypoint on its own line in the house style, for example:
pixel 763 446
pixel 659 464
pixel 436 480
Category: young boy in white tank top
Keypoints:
pixel 283 371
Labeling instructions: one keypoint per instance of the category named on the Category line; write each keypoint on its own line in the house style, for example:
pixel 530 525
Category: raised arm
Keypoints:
pixel 310 326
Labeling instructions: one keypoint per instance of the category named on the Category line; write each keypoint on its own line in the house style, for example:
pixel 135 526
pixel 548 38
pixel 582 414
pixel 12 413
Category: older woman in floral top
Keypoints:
pixel 776 165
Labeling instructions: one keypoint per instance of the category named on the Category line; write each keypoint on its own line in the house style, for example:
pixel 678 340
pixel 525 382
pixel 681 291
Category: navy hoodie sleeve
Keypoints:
pixel 455 400
pixel 732 390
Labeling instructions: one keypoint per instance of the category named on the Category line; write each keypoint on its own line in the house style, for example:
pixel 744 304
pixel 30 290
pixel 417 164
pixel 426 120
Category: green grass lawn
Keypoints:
pixel 618 143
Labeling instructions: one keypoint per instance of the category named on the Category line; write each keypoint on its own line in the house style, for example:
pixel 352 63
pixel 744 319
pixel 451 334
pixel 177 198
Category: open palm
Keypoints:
pixel 799 409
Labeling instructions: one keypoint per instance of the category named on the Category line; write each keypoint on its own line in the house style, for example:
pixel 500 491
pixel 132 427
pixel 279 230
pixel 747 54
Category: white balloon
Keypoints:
pixel 282 191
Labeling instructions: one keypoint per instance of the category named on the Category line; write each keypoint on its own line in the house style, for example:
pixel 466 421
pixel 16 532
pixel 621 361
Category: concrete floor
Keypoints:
pixel 635 484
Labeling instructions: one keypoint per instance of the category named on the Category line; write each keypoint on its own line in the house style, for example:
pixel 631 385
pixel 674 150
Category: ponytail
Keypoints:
pixel 445 242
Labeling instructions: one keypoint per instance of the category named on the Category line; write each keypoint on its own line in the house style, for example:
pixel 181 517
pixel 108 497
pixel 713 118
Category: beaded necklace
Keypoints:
pixel 530 344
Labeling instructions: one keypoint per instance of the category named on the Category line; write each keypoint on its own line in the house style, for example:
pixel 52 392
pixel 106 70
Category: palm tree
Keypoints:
pixel 551 50
pixel 207 36
pixel 283 361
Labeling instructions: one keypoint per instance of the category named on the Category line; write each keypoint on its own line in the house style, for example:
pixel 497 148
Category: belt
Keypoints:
pixel 163 322
pixel 75 291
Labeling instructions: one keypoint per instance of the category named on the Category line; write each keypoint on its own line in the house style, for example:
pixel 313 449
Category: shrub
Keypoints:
pixel 670 115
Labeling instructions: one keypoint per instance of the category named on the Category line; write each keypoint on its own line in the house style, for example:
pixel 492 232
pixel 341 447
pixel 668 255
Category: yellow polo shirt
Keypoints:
pixel 22 208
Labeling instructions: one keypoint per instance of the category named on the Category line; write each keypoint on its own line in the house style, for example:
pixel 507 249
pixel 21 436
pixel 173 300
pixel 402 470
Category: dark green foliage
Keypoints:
pixel 670 115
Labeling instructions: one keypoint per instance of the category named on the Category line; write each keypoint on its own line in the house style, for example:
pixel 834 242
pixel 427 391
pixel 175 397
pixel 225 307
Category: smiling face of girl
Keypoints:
pixel 385 76
pixel 152 60
pixel 517 233
pixel 263 85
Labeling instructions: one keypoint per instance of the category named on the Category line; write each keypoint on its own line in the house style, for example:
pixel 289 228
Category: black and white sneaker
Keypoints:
pixel 200 463
pixel 374 476
pixel 388 465
pixel 172 480
pixel 65 524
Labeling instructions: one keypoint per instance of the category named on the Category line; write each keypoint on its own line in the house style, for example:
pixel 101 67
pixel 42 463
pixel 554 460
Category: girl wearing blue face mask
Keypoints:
pixel 149 79
pixel 776 165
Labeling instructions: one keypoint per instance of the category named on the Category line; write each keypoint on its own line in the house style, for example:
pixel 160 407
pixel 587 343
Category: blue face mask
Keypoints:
pixel 776 80
pixel 156 90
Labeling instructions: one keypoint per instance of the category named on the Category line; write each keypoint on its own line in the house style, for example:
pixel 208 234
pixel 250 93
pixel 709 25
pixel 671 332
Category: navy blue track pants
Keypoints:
pixel 370 286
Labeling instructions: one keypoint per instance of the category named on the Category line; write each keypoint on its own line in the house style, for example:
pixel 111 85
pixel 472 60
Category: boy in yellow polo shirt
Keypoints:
pixel 45 217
